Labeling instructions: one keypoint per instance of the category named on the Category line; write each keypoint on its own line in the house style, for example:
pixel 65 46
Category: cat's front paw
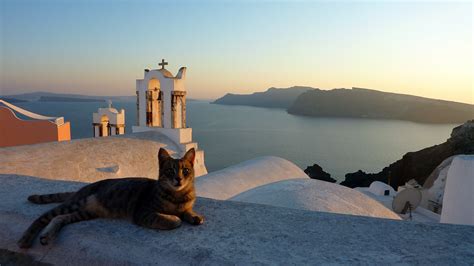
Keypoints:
pixel 197 220
pixel 168 222
pixel 46 238
pixel 174 223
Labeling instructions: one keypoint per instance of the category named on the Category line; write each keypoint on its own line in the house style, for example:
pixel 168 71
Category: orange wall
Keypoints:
pixel 64 131
pixel 14 131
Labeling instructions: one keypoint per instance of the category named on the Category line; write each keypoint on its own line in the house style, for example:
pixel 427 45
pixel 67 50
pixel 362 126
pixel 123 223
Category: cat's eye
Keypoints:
pixel 186 171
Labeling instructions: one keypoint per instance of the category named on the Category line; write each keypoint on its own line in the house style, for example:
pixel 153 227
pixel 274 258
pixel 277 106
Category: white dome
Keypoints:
pixel 241 177
pixel 379 188
pixel 166 73
pixel 316 195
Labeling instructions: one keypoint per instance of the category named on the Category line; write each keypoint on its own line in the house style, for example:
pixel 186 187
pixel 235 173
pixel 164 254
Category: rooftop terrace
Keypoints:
pixel 234 233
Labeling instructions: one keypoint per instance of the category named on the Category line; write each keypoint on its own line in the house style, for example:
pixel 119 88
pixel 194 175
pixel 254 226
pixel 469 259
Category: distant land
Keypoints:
pixel 12 100
pixel 366 103
pixel 67 99
pixel 272 98
pixel 356 103
pixel 64 97
pixel 49 96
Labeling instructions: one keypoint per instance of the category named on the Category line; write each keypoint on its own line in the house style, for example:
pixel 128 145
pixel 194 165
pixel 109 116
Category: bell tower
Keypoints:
pixel 161 99
pixel 161 106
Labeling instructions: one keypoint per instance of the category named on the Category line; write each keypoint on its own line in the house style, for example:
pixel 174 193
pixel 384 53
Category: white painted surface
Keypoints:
pixel 228 182
pixel 136 155
pixel 379 188
pixel 168 84
pixel 433 189
pixel 115 117
pixel 420 214
pixel 234 233
pixel 178 135
pixel 316 195
pixel 96 131
pixel 458 197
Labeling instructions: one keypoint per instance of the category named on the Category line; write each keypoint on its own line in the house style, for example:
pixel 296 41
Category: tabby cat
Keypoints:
pixel 156 204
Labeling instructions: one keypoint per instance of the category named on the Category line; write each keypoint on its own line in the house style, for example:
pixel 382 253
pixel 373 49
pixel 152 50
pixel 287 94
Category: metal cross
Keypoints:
pixel 163 64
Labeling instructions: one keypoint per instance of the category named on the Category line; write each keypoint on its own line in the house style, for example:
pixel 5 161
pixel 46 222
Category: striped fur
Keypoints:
pixel 149 203
pixel 50 198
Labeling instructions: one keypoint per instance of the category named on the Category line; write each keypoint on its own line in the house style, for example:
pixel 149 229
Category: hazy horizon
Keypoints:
pixel 101 47
pixel 209 99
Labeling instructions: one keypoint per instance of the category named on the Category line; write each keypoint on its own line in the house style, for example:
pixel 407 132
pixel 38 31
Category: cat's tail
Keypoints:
pixel 40 223
pixel 50 198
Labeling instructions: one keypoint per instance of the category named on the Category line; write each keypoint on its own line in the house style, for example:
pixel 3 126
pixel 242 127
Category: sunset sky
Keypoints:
pixel 102 47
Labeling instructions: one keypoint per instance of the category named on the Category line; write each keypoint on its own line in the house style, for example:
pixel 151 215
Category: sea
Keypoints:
pixel 232 134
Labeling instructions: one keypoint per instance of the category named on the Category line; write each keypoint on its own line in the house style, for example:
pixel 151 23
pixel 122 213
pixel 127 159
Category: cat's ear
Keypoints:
pixel 163 155
pixel 189 156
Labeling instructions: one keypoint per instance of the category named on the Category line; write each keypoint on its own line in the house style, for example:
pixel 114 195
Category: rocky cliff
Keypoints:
pixel 420 164
pixel 365 103
pixel 355 103
pixel 272 98
pixel 317 172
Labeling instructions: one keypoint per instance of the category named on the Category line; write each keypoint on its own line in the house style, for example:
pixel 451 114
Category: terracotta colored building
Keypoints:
pixel 15 131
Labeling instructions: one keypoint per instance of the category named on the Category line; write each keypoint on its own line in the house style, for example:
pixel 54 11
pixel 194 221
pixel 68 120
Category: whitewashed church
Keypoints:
pixel 161 107
pixel 108 122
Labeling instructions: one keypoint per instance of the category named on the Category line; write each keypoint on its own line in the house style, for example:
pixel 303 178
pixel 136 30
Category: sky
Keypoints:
pixel 101 47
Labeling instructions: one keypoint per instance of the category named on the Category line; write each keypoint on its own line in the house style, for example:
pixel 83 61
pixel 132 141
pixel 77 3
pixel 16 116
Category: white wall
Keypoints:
pixel 167 85
pixel 112 114
pixel 458 197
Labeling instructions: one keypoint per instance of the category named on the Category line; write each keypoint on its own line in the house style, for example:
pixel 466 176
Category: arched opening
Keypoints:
pixel 154 104
pixel 104 128
pixel 153 84
pixel 178 109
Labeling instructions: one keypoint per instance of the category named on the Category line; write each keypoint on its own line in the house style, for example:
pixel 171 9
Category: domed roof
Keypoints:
pixel 316 195
pixel 233 180
pixel 166 73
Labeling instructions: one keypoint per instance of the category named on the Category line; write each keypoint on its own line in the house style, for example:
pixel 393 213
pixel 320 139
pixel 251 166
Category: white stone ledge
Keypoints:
pixel 83 159
pixel 234 233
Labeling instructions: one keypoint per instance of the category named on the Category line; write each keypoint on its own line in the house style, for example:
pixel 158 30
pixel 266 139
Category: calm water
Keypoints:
pixel 231 134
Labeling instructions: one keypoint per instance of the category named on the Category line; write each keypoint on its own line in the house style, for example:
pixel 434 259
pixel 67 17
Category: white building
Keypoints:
pixel 277 182
pixel 108 122
pixel 458 193
pixel 161 107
